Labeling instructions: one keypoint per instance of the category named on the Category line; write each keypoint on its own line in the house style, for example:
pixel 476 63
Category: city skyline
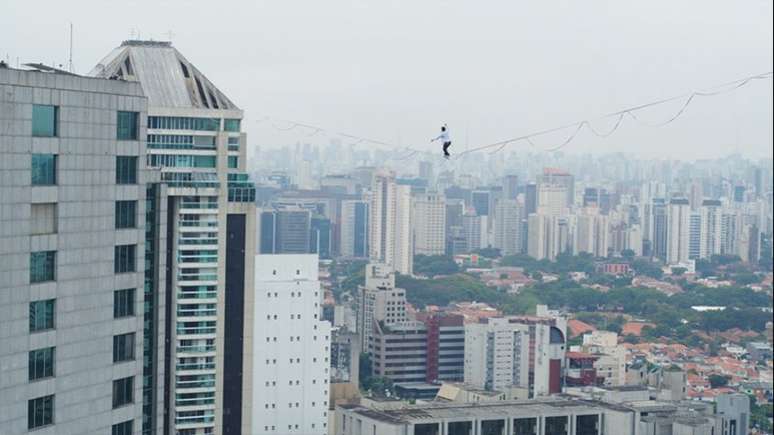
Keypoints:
pixel 488 72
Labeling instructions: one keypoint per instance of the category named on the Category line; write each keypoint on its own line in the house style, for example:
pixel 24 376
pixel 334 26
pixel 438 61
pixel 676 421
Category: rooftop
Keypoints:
pixel 168 79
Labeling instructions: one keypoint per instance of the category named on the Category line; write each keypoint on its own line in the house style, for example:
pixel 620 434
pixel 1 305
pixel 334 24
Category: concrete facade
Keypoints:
pixel 81 229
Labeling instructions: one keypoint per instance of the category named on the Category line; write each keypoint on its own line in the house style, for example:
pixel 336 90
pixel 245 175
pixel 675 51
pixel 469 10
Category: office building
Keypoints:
pixel 430 349
pixel 290 371
pixel 659 225
pixel 471 231
pixel 78 221
pixel 286 230
pixel 480 200
pixel 354 229
pixel 429 223
pixel 194 138
pixel 678 231
pixel 391 238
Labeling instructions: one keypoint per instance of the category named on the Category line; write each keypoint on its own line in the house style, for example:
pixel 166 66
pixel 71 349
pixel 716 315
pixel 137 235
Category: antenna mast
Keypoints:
pixel 70 62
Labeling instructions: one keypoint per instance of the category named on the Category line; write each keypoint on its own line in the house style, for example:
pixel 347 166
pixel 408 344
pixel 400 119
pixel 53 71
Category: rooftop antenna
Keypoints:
pixel 169 35
pixel 70 61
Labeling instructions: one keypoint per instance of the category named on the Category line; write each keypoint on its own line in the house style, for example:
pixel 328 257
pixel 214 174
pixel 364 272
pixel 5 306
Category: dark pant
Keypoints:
pixel 446 146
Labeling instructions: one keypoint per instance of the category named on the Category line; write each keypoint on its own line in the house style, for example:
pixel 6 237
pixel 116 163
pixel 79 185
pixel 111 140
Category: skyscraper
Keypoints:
pixel 78 223
pixel 658 228
pixel 354 229
pixel 557 177
pixel 678 230
pixel 508 226
pixel 711 228
pixel 378 301
pixel 292 347
pixel 391 240
pixel 194 138
pixel 429 223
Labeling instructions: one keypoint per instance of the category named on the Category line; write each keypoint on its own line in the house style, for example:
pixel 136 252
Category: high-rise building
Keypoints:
pixel 508 226
pixel 284 231
pixel 391 237
pixel 510 186
pixel 524 352
pixel 378 301
pixel 471 224
pixel 194 137
pixel 548 236
pixel 320 236
pixel 658 227
pixel 678 230
pixel 430 349
pixel 429 223
pixel 558 177
pixel 530 199
pixel 552 199
pixel 354 229
pixel 711 228
pixel 79 217
pixel 694 235
pixel 481 201
pixel 592 232
pixel 290 371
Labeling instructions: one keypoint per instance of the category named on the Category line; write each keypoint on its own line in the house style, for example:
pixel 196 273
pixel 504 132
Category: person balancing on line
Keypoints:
pixel 444 137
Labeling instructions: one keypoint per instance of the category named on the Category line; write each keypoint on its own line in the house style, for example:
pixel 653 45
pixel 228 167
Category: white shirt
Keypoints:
pixel 444 136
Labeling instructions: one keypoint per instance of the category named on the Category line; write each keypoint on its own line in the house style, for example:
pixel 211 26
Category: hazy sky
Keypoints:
pixel 491 69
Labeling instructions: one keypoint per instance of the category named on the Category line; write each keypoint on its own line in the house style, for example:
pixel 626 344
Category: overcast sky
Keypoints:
pixel 491 69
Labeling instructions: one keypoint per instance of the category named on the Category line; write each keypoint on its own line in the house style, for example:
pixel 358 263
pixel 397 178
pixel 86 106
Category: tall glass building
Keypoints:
pixel 194 141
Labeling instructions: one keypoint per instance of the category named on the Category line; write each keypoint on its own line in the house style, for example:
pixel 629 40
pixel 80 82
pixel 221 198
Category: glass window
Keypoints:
pixel 123 391
pixel 125 258
pixel 231 124
pixel 42 266
pixel 124 428
pixel 123 347
pixel 43 169
pixel 126 214
pixel 44 120
pixel 40 412
pixel 42 315
pixel 41 363
pixel 233 162
pixel 43 218
pixel 123 303
pixel 127 125
pixel 126 170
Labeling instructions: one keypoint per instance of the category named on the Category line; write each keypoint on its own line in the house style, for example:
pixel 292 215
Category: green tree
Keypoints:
pixel 432 265
pixel 717 381
pixel 647 268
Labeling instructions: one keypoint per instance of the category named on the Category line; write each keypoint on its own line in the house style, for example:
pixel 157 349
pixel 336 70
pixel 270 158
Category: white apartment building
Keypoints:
pixel 390 234
pixel 678 231
pixel 592 233
pixel 508 226
pixel 290 371
pixel 524 352
pixel 429 223
pixel 711 228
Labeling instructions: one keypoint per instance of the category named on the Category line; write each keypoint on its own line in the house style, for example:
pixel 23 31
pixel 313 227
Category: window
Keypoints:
pixel 126 213
pixel 43 218
pixel 126 125
pixel 40 412
pixel 43 169
pixel 42 315
pixel 44 120
pixel 123 391
pixel 231 124
pixel 123 303
pixel 42 266
pixel 125 258
pixel 123 347
pixel 41 363
pixel 124 428
pixel 184 123
pixel 233 162
pixel 126 170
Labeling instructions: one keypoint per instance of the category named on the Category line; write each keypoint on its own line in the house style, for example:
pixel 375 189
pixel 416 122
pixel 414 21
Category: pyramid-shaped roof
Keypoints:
pixel 167 78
